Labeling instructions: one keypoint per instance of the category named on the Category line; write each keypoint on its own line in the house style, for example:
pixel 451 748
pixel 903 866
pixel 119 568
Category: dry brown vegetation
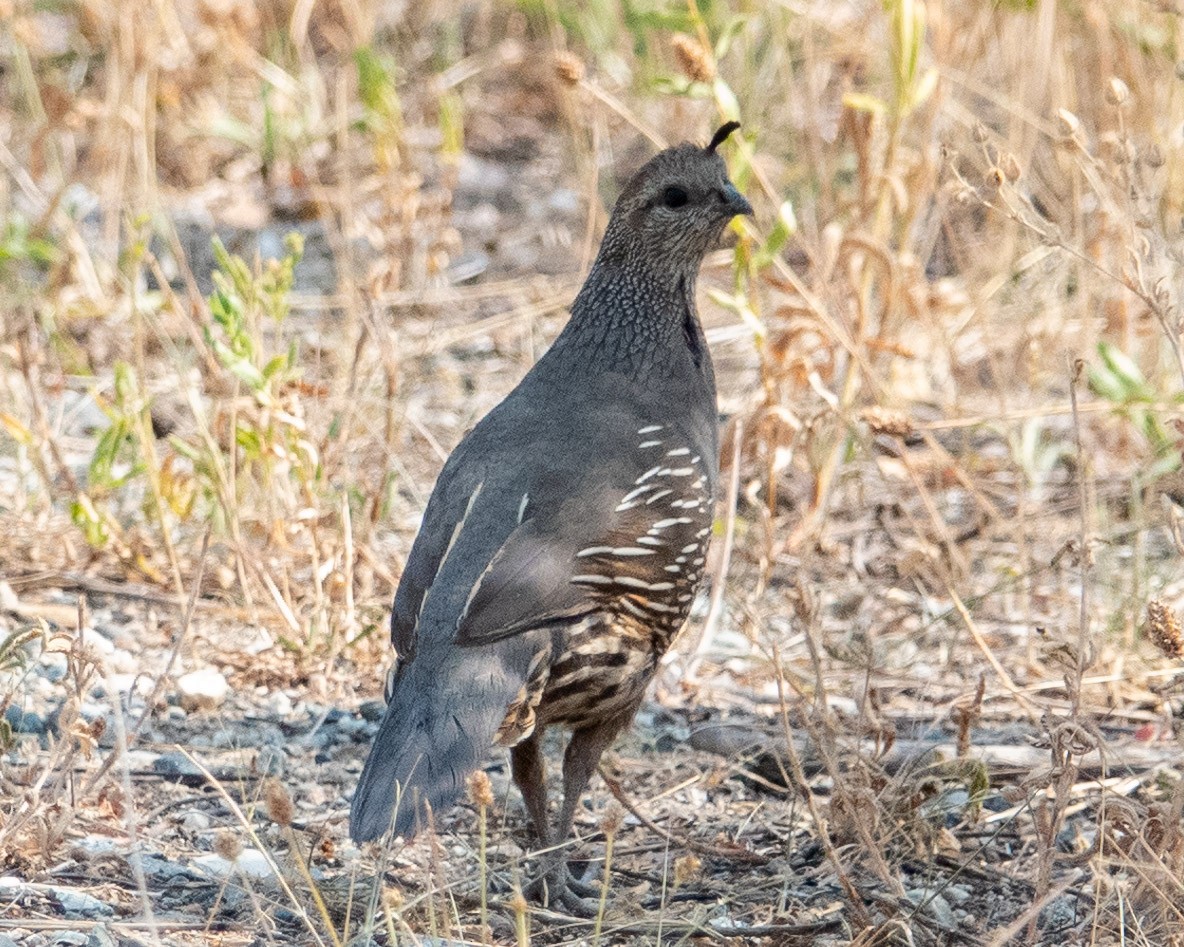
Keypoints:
pixel 933 696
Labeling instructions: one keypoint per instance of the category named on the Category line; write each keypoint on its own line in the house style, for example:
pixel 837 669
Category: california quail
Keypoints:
pixel 565 538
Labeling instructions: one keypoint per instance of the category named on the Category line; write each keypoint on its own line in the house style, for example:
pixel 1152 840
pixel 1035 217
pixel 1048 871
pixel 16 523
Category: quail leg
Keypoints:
pixel 529 771
pixel 530 776
pixel 579 763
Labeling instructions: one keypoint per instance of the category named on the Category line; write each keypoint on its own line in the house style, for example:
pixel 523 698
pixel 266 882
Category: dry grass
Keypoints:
pixel 949 348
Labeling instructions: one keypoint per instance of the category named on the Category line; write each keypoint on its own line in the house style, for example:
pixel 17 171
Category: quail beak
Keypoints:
pixel 734 202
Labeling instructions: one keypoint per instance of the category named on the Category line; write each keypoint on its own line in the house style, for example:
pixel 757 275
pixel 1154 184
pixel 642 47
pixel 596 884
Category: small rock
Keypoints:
pixel 178 768
pixel 204 689
pixel 160 871
pixel 372 710
pixel 934 904
pixel 270 760
pixel 6 941
pixel 23 721
pixel 353 726
pixel 195 822
pixel 78 905
pixel 69 939
pixel 53 666
pixel 101 937
pixel 251 862
pixel 278 704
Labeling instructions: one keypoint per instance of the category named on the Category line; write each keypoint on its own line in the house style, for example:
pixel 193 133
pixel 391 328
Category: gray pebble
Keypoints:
pixel 81 906
pixel 101 937
pixel 24 721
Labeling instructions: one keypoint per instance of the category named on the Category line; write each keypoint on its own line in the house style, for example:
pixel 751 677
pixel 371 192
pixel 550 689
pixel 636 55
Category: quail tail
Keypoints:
pixel 438 727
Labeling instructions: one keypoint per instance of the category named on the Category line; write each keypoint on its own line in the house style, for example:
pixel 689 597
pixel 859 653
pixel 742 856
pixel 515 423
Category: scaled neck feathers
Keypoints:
pixel 630 317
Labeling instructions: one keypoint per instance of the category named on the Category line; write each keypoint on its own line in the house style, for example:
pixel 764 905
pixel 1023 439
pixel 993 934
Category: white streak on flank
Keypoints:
pixel 592 579
pixel 459 526
pixel 678 452
pixel 650 444
pixel 703 532
pixel 685 598
pixel 658 496
pixel 594 551
pixel 622 507
pixel 522 506
pixel 649 541
pixel 672 568
pixel 649 429
pixel 676 471
pixel 635 493
pixel 657 607
pixel 631 551
pixel 649 473
pixel 697 561
pixel 681 559
pixel 688 548
pixel 630 582
pixel 664 524
pixel 630 607
pixel 696 459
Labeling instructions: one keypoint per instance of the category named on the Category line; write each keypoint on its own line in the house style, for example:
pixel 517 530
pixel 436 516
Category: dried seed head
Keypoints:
pixel 517 903
pixel 480 789
pixel 994 179
pixel 278 802
pixel 686 869
pixel 568 67
pixel 887 421
pixel 1068 123
pixel 1010 166
pixel 614 818
pixel 1117 92
pixel 695 62
pixel 228 845
pixel 1163 628
pixel 980 133
pixel 1153 156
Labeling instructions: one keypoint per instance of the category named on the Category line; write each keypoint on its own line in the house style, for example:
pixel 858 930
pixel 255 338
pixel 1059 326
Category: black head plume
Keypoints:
pixel 721 136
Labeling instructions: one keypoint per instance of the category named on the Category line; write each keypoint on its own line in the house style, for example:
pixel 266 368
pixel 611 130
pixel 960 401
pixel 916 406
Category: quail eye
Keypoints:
pixel 675 196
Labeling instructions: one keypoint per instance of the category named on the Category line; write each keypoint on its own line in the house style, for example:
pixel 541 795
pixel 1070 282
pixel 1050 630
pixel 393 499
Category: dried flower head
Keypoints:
pixel 278 802
pixel 887 421
pixel 1163 629
pixel 1153 156
pixel 1068 123
pixel 686 869
pixel 695 62
pixel 392 897
pixel 614 818
pixel 568 67
pixel 1010 166
pixel 228 845
pixel 480 789
pixel 1117 91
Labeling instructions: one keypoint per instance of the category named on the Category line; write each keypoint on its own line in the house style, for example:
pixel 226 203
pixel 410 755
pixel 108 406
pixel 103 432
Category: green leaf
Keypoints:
pixel 784 227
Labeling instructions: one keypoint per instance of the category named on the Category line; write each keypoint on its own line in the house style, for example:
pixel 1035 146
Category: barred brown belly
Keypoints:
pixel 595 669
